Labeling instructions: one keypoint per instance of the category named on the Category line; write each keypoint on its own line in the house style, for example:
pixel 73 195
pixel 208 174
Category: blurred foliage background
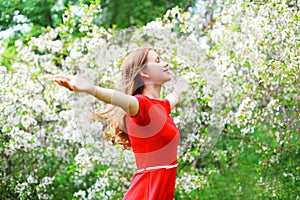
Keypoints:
pixel 245 69
pixel 49 13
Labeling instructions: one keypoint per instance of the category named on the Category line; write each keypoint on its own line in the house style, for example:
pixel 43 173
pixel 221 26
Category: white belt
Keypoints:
pixel 157 167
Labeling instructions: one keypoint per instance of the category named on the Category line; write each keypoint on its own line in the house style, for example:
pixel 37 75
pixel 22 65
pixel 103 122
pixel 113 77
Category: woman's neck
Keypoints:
pixel 152 90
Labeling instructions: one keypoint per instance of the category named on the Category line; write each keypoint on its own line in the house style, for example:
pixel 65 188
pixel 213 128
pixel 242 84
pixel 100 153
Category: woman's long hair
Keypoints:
pixel 132 84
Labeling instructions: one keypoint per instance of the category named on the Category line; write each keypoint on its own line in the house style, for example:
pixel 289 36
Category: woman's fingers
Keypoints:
pixel 64 81
pixel 63 77
pixel 60 81
pixel 73 83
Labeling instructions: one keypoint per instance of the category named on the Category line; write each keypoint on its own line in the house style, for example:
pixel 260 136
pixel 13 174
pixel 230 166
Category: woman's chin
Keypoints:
pixel 168 79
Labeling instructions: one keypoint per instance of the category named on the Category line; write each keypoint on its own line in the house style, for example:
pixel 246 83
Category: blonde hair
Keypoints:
pixel 132 84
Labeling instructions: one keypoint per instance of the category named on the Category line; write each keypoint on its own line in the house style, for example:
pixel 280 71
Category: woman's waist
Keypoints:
pixel 155 159
pixel 144 163
pixel 150 168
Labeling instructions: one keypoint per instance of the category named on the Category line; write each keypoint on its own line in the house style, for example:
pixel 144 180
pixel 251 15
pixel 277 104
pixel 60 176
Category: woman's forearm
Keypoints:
pixel 173 98
pixel 102 94
pixel 128 103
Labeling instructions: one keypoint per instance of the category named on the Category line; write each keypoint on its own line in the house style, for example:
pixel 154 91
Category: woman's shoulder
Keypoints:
pixel 148 98
pixel 148 102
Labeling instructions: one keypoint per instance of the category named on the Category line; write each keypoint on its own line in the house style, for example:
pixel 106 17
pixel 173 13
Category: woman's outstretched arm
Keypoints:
pixel 127 102
pixel 180 87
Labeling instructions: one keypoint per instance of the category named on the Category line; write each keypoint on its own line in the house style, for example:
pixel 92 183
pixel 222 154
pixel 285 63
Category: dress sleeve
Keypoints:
pixel 140 116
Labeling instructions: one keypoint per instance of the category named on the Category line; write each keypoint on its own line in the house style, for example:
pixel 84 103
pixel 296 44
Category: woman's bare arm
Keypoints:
pixel 181 87
pixel 127 102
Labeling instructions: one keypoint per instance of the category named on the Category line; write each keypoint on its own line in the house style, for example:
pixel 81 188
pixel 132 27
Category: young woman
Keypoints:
pixel 141 120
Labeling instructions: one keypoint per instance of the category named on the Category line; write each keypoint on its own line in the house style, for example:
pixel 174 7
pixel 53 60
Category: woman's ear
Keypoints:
pixel 144 74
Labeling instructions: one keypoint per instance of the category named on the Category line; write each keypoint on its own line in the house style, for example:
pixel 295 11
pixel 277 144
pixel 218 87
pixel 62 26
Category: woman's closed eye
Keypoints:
pixel 158 60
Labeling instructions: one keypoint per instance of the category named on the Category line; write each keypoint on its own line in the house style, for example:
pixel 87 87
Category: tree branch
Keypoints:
pixel 187 5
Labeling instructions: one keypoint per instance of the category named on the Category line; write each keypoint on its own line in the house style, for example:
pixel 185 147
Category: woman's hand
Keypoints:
pixel 73 83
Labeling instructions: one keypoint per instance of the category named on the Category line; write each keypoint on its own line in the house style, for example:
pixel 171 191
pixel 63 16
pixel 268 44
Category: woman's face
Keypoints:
pixel 157 69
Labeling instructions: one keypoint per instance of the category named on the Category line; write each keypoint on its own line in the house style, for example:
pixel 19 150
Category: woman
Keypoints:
pixel 141 120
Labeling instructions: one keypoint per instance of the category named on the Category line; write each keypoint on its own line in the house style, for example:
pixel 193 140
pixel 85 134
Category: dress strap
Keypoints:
pixel 157 167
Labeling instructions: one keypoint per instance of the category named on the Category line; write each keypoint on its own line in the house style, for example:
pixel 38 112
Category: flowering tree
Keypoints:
pixel 243 103
pixel 257 53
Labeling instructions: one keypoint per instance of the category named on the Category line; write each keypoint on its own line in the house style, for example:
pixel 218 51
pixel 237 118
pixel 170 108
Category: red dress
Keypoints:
pixel 154 139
